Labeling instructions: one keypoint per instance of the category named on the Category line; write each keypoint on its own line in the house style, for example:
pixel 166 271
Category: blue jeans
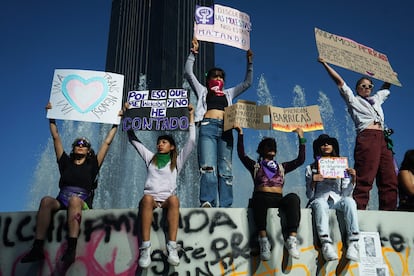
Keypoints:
pixel 215 161
pixel 347 206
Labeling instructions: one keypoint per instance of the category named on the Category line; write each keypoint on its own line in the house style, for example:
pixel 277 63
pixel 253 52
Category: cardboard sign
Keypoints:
pixel 249 115
pixel 346 53
pixel 288 119
pixel 332 167
pixel 221 24
pixel 83 95
pixel 163 109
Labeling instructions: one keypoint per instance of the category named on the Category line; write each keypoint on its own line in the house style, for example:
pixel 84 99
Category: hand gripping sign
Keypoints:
pixel 162 109
pixel 224 25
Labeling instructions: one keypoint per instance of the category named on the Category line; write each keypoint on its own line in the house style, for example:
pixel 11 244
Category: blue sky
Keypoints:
pixel 40 36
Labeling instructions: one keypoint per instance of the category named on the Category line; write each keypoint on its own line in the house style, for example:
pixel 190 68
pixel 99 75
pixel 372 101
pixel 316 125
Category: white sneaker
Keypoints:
pixel 291 246
pixel 264 249
pixel 352 253
pixel 144 256
pixel 328 252
pixel 206 204
pixel 173 258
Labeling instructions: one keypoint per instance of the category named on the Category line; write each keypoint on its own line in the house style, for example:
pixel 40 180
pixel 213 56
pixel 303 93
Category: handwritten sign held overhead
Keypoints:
pixel 83 95
pixel 162 109
pixel 224 25
pixel 288 119
pixel 249 115
pixel 346 53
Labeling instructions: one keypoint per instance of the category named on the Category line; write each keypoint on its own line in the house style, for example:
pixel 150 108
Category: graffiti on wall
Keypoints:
pixel 212 242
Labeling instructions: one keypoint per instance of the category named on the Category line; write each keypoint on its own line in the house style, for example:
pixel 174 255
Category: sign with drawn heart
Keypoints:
pixel 84 95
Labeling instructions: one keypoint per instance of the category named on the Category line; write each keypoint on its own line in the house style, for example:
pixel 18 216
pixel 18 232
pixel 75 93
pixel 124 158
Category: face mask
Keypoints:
pixel 216 86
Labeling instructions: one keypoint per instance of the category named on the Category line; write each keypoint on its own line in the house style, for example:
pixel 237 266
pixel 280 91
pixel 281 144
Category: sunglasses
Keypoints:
pixel 82 143
pixel 326 143
pixel 366 86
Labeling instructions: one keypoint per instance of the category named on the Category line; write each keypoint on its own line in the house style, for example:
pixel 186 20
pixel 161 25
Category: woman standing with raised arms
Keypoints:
pixel 215 146
pixel 373 158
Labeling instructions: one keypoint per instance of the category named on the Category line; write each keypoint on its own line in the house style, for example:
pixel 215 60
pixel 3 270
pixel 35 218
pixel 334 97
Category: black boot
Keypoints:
pixel 69 257
pixel 35 254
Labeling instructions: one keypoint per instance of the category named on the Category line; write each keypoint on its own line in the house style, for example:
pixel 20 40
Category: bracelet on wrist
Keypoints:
pixel 302 140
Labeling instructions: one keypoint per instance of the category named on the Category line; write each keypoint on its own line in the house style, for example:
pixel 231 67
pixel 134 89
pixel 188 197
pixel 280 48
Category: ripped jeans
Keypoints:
pixel 215 149
pixel 346 206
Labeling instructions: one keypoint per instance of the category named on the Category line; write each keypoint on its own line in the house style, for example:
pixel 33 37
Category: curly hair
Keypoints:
pixel 266 143
pixel 91 153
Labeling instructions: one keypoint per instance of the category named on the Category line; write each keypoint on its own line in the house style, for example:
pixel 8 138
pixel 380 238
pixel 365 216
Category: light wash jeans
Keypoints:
pixel 215 161
pixel 347 206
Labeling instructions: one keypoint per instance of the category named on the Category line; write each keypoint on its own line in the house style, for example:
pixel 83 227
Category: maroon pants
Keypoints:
pixel 373 160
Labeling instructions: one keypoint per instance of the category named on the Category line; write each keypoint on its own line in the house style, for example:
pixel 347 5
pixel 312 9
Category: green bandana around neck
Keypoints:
pixel 162 160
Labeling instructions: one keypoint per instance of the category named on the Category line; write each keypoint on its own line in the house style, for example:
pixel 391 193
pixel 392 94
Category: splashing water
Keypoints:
pixel 123 173
pixel 122 176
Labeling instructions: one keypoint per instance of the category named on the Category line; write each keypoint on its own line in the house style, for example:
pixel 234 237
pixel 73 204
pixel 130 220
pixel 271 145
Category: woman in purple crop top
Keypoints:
pixel 269 177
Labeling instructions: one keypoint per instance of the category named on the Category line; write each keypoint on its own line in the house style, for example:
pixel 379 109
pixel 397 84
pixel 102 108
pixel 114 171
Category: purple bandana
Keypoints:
pixel 269 167
pixel 370 100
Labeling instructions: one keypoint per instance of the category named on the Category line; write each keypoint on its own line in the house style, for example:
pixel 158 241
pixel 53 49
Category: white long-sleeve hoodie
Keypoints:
pixel 162 183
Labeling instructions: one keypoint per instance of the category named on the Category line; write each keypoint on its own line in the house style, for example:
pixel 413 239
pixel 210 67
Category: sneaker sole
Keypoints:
pixel 144 265
pixel 173 263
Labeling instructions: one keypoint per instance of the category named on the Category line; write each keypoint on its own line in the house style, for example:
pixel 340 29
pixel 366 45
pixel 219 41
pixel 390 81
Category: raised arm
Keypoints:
pixel 57 142
pixel 249 55
pixel 248 79
pixel 332 73
pixel 385 85
pixel 195 47
pixel 105 144
pixel 191 140
pixel 188 70
pixel 300 159
pixel 246 160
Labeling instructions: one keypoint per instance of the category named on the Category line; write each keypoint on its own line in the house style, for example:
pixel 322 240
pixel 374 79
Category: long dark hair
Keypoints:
pixel 173 153
pixel 266 143
pixel 91 153
pixel 408 162
pixel 322 139
pixel 212 72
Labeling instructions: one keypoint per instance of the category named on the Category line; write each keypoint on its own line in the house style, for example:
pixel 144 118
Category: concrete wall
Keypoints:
pixel 214 242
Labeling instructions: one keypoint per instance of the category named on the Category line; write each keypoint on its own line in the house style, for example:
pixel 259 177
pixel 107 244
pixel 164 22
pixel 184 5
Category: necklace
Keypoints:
pixel 79 161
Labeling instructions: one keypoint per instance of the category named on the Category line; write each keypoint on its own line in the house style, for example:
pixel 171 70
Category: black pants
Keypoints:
pixel 289 207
